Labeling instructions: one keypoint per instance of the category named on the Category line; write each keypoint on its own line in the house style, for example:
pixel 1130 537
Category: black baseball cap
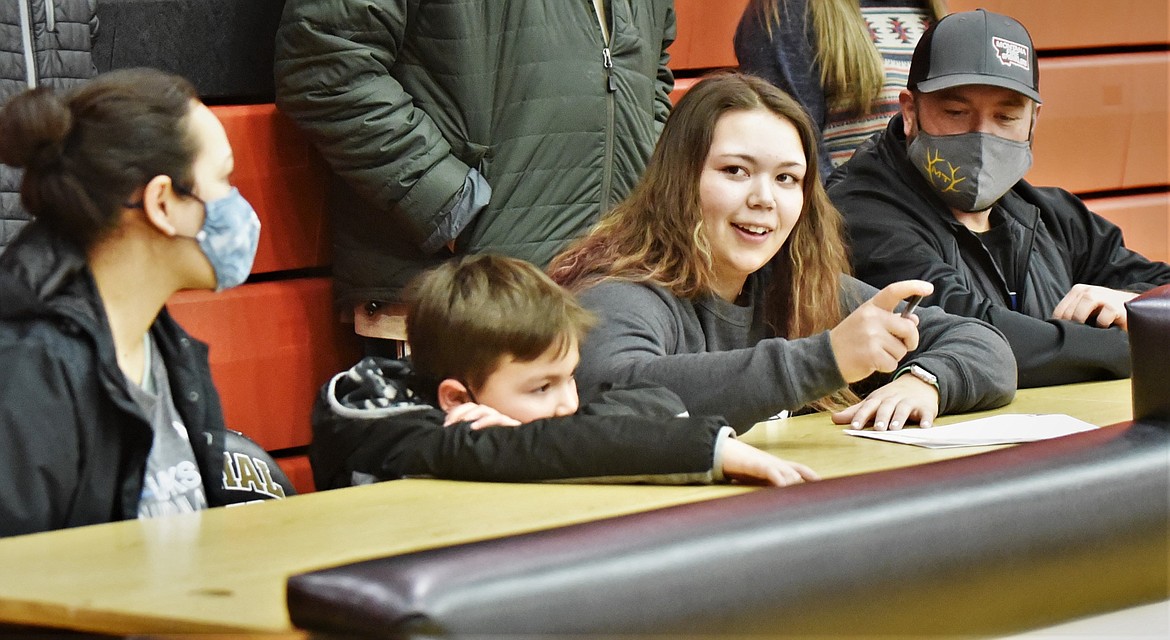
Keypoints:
pixel 975 47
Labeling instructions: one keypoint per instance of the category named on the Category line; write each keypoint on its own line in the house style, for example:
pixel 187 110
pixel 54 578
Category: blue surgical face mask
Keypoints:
pixel 229 237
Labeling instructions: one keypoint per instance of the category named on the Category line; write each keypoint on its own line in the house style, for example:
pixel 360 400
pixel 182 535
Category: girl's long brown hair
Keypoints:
pixel 656 235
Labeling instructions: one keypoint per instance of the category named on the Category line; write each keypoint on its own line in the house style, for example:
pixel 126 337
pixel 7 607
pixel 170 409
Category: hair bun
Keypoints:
pixel 33 128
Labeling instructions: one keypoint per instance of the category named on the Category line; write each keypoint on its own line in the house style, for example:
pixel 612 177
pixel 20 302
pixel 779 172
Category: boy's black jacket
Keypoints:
pixel 369 424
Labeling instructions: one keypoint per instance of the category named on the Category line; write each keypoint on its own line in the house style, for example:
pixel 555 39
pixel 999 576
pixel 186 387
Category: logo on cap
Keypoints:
pixel 1011 54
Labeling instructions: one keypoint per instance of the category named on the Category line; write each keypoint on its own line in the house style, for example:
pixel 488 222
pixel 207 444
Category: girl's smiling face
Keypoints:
pixel 751 193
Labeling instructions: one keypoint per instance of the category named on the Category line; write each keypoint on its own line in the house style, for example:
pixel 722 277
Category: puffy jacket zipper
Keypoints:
pixel 606 36
pixel 610 89
pixel 607 175
pixel 50 16
pixel 26 37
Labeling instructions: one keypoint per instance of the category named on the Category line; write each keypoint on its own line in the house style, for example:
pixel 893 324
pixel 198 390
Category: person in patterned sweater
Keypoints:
pixel 843 60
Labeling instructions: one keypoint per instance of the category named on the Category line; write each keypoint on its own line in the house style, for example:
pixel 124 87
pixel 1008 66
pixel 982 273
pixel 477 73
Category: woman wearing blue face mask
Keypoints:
pixel 107 408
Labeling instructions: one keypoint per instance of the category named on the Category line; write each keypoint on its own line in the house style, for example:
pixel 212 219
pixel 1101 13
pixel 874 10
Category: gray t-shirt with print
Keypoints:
pixel 172 483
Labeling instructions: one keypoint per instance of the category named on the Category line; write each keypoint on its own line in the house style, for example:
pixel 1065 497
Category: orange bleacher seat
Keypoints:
pixel 1103 125
pixel 273 344
pixel 299 472
pixel 681 86
pixel 704 33
pixel 284 178
pixel 1145 220
pixel 1076 24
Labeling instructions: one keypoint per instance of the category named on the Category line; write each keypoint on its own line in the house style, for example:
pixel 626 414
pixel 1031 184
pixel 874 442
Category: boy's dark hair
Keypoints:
pixel 467 314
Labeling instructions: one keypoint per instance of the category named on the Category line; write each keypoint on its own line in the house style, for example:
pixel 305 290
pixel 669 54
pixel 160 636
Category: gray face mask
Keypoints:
pixel 970 171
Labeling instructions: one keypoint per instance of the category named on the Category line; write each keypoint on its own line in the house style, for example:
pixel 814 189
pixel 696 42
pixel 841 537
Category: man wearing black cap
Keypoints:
pixel 940 196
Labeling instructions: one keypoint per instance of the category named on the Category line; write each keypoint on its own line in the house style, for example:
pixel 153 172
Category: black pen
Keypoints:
pixel 911 305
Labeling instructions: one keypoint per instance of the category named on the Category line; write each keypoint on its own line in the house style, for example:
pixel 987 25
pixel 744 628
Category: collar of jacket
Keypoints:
pixel 45 278
pixel 43 275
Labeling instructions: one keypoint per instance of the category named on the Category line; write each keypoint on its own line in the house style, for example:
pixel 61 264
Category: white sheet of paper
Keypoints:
pixel 1007 428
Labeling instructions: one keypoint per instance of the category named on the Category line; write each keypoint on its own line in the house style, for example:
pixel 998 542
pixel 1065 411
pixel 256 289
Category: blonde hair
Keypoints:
pixel 852 70
pixel 466 315
pixel 656 235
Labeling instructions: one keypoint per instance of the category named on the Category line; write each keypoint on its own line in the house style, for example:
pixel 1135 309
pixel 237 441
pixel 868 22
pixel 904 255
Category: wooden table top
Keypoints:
pixel 224 570
pixel 817 442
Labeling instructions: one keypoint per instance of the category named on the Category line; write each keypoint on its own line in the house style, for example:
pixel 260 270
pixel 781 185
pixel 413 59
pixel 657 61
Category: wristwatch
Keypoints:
pixel 920 373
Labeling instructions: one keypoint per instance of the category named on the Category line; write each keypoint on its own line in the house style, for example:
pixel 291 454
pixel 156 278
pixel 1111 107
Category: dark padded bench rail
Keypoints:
pixel 1149 330
pixel 994 543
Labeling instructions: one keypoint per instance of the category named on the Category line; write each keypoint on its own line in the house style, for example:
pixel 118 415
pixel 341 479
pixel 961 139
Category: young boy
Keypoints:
pixel 489 394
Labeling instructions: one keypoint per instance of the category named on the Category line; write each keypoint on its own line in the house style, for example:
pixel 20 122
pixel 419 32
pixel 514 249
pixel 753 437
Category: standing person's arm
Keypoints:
pixel 333 77
pixel 665 83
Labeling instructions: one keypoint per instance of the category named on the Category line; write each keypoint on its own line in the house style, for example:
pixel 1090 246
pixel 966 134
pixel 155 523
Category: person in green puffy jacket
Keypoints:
pixel 464 127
